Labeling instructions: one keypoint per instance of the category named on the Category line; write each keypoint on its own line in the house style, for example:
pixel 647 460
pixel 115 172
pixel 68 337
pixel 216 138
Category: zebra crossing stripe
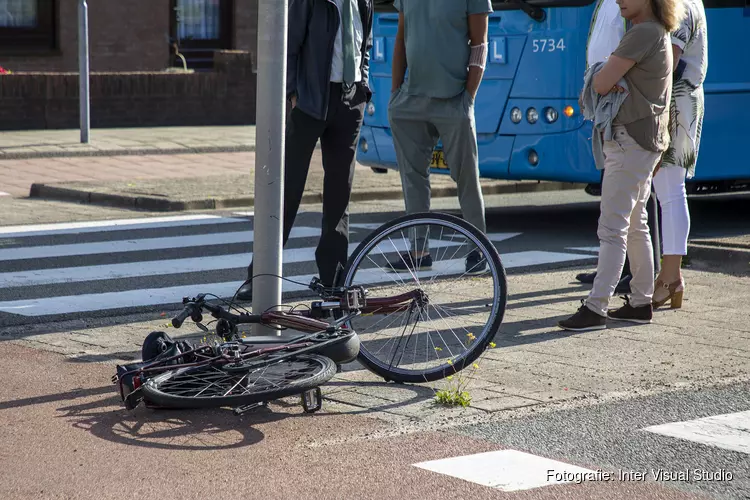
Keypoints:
pixel 79 274
pixel 138 245
pixel 172 295
pixel 730 431
pixel 507 470
pixel 114 225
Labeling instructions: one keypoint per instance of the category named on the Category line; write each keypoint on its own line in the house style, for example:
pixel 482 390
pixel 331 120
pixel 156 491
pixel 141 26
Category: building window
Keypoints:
pixel 27 25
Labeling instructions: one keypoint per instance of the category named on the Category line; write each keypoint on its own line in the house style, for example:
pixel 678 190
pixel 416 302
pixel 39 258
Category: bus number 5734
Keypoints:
pixel 548 45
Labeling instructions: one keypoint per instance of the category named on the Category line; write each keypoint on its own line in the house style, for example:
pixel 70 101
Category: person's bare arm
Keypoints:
pixel 676 55
pixel 478 25
pixel 614 69
pixel 398 66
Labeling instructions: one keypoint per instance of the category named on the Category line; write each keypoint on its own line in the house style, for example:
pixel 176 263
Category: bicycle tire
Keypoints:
pixel 369 360
pixel 153 389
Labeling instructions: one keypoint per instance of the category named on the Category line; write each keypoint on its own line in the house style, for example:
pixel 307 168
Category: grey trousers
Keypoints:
pixel 623 222
pixel 417 122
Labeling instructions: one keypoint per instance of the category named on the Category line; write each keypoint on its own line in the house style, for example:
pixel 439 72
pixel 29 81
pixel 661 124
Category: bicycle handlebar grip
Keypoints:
pixel 177 321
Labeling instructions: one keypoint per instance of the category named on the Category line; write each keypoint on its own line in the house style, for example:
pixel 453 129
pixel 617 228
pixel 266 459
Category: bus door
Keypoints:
pixel 721 155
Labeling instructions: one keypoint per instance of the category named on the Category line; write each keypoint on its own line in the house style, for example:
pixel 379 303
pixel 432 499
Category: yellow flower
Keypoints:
pixel 450 362
pixel 492 345
pixel 449 377
pixel 475 366
pixel 438 348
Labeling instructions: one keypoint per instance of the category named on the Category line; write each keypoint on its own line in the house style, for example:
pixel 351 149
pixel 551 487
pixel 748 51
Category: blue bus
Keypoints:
pixel 528 123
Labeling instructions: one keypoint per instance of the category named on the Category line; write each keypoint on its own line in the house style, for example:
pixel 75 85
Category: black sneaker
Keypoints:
pixel 245 293
pixel 641 314
pixel 475 263
pixel 623 286
pixel 584 320
pixel 587 278
pixel 407 262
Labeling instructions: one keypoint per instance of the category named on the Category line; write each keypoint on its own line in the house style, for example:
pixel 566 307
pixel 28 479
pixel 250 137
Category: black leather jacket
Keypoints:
pixel 312 31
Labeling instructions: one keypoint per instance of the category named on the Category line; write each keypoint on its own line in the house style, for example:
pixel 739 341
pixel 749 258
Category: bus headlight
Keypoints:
pixel 370 108
pixel 533 158
pixel 551 115
pixel 532 115
pixel 515 115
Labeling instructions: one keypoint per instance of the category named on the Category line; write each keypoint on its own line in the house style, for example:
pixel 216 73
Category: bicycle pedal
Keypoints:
pixel 312 400
pixel 246 408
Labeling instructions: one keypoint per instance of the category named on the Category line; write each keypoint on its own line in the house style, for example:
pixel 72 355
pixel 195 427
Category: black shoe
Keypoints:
pixel 407 262
pixel 593 189
pixel 475 263
pixel 623 286
pixel 245 293
pixel 584 320
pixel 587 278
pixel 641 314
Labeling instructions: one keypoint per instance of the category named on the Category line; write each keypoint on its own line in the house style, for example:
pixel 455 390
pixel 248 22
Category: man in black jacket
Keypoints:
pixel 328 57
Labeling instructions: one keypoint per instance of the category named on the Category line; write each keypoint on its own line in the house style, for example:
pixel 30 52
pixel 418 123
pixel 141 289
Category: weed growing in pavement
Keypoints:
pixel 456 391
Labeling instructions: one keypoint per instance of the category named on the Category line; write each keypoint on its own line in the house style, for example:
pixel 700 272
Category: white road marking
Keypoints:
pixel 507 470
pixel 163 267
pixel 113 225
pixel 137 245
pixel 171 295
pixel 730 431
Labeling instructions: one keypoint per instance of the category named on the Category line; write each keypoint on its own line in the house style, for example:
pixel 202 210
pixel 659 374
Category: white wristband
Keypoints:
pixel 478 55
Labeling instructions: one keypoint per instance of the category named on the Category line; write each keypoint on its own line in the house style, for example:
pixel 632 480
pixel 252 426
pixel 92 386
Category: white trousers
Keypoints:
pixel 669 184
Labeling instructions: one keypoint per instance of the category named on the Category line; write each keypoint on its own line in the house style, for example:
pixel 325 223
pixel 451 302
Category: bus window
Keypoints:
pixel 387 5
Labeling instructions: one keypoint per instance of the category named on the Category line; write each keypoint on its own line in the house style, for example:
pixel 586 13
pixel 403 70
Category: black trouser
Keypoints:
pixel 338 135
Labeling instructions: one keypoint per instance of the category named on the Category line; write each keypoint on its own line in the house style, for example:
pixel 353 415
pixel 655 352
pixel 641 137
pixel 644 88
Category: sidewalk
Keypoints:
pixel 176 168
pixel 27 144
pixel 535 366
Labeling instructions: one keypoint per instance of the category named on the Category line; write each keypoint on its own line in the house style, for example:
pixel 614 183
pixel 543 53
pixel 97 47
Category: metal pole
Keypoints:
pixel 269 155
pixel 83 69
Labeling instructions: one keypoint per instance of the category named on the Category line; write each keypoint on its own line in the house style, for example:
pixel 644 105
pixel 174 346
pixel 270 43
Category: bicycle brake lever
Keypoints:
pixel 201 326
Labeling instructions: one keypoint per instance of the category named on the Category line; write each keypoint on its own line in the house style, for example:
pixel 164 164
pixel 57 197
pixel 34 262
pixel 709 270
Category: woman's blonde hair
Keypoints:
pixel 669 13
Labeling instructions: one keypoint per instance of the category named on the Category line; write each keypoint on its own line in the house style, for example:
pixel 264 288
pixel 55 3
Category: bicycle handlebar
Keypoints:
pixel 192 310
pixel 348 299
pixel 194 307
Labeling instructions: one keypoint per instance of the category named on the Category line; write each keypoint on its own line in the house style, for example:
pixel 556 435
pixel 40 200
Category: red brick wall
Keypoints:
pixel 246 26
pixel 225 96
pixel 127 35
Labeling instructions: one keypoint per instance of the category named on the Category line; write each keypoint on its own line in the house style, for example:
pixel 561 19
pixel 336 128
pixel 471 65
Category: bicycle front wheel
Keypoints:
pixel 213 387
pixel 463 290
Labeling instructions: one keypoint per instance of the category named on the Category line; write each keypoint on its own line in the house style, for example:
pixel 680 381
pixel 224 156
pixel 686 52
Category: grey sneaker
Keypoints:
pixel 584 320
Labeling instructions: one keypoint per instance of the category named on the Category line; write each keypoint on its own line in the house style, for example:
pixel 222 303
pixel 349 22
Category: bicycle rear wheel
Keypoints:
pixel 213 387
pixel 463 288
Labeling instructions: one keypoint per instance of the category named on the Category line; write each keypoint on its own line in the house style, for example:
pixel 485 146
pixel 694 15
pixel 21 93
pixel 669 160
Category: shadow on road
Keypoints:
pixel 105 418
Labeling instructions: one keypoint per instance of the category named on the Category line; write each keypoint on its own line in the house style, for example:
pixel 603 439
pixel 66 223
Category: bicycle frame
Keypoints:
pixel 304 322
